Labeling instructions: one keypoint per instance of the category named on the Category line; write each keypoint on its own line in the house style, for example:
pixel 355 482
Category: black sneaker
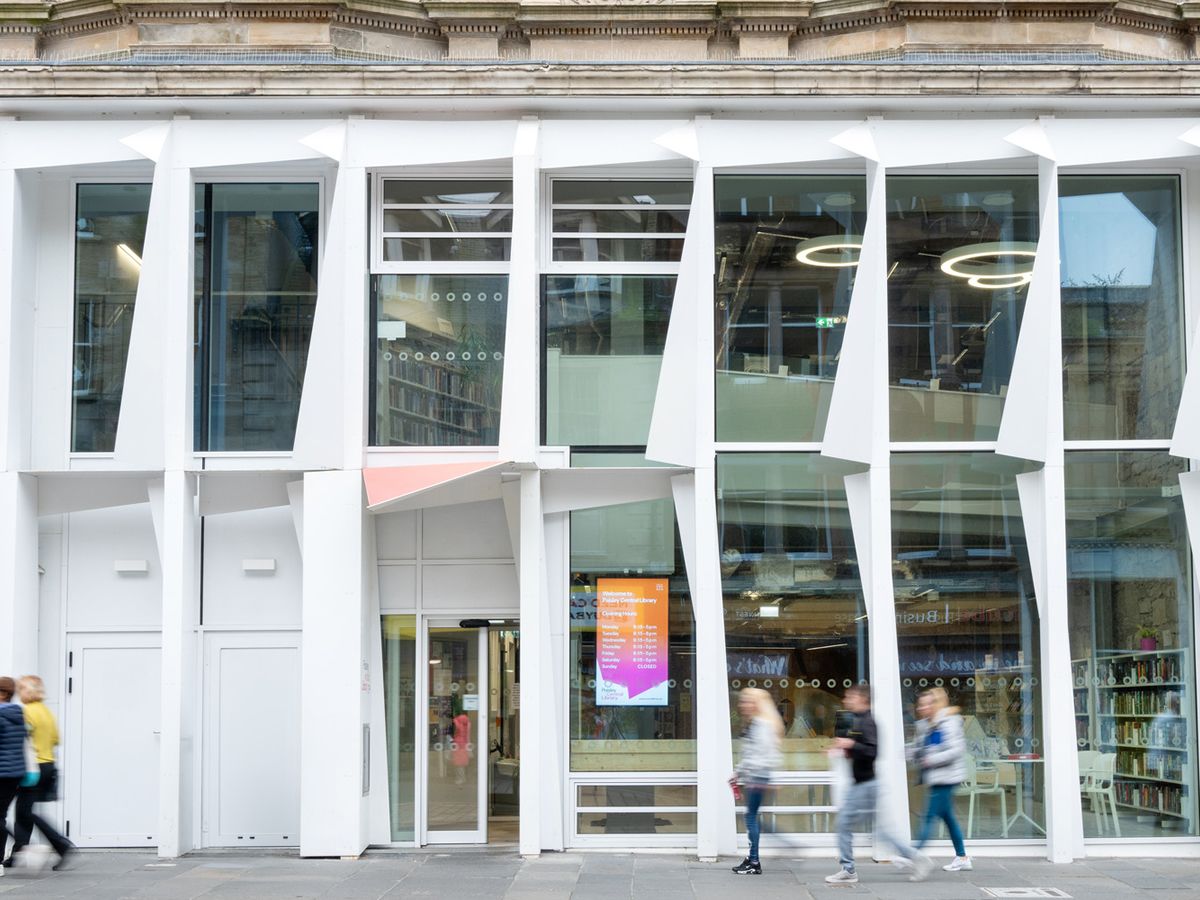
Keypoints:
pixel 67 860
pixel 748 866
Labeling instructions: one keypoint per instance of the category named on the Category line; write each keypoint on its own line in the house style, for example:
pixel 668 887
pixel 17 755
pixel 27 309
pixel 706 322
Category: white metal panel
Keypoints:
pixel 738 143
pixel 466 531
pixel 98 597
pixel 228 492
pixel 482 586
pixel 234 596
pixel 252 740
pixel 111 760
pixel 397 587
pixel 903 143
pixel 18 572
pixel 567 489
pixel 41 145
pixel 568 143
pixel 396 535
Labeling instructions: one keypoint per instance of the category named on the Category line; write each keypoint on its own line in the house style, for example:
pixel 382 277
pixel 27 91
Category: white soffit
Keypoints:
pixel 904 144
pixel 1084 142
pixel 564 490
pixel 40 145
pixel 392 489
pixel 227 492
pixel 1031 492
pixel 209 144
pixel 674 422
pixel 737 143
pixel 68 492
pixel 383 143
pixel 605 142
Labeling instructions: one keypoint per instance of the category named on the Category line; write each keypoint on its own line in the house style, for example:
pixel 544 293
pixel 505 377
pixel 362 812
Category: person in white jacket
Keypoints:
pixel 938 747
pixel 762 731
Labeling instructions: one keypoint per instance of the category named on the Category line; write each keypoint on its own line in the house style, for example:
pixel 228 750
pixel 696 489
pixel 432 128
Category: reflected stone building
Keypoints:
pixel 458 402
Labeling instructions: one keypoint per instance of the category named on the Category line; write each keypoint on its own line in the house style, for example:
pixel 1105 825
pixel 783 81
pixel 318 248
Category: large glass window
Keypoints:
pixel 966 621
pixel 256 292
pixel 400 719
pixel 110 227
pixel 960 258
pixel 795 620
pixel 1131 597
pixel 1122 306
pixel 641 716
pixel 439 359
pixel 606 301
pixel 787 252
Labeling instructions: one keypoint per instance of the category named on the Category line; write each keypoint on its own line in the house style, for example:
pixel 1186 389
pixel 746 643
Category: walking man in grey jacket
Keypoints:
pixel 860 745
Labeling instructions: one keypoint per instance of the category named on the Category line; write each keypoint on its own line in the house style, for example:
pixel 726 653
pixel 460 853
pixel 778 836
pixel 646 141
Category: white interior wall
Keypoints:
pixel 234 597
pixel 98 596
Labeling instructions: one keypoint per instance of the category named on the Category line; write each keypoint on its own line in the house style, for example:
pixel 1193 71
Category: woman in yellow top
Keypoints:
pixel 43 734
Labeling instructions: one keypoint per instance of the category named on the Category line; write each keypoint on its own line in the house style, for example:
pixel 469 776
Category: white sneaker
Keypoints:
pixel 922 866
pixel 959 864
pixel 842 877
pixel 903 863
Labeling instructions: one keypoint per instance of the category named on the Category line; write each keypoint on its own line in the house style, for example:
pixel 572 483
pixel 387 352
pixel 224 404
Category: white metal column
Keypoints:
pixel 535 659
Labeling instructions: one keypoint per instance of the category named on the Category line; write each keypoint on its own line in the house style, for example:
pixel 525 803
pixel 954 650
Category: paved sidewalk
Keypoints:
pixel 462 874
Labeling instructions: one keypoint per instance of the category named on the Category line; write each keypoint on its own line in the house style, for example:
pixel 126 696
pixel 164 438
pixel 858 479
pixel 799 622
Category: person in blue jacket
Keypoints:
pixel 13 774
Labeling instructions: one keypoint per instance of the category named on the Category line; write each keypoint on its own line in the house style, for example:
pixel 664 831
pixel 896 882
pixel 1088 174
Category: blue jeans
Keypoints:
pixel 941 806
pixel 858 805
pixel 754 798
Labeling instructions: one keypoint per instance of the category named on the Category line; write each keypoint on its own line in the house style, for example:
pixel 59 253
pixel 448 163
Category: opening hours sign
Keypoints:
pixel 631 642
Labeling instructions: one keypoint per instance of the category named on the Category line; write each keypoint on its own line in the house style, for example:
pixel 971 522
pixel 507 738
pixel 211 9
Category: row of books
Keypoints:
pixel 1145 732
pixel 446 379
pixel 1151 764
pixel 1145 670
pixel 1140 703
pixel 434 406
pixel 413 432
pixel 1161 797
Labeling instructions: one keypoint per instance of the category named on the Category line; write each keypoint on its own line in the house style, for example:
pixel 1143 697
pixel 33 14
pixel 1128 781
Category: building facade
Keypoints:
pixel 419 420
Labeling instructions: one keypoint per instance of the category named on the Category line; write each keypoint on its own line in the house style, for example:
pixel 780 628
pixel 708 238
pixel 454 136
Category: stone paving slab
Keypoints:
pixel 500 873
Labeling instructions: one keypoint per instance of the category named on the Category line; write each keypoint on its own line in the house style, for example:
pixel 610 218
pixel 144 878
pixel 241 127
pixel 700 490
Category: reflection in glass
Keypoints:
pixel 439 359
pixel 638 537
pixel 256 288
pixel 1130 613
pixel 606 738
pixel 604 343
pixel 960 256
pixel 966 620
pixel 110 226
pixel 1122 305
pixel 400 717
pixel 787 251
pixel 446 221
pixel 619 221
pixel 452 769
pixel 795 621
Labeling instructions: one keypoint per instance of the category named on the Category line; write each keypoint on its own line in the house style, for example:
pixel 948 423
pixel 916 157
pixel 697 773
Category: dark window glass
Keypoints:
pixel 256 284
pixel 966 621
pixel 1122 306
pixel 439 359
pixel 960 258
pixel 1131 632
pixel 110 227
pixel 787 253
pixel 619 221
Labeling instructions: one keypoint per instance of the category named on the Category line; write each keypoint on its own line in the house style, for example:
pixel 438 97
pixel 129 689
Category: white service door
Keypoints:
pixel 252 740
pixel 111 759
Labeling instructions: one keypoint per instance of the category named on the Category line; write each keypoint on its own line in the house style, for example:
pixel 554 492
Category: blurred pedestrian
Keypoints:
pixel 43 734
pixel 14 765
pixel 860 744
pixel 762 731
pixel 938 748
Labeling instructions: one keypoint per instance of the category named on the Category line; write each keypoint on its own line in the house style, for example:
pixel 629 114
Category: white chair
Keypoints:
pixel 984 783
pixel 1099 788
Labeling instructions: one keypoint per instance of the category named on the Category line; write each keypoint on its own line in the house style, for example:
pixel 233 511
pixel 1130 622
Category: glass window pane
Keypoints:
pixel 795 620
pixel 960 256
pixel 654 730
pixel 1131 627
pixel 449 219
pixel 635 823
pixel 966 621
pixel 1122 306
pixel 787 250
pixel 110 227
pixel 419 249
pixel 400 716
pixel 618 250
pixel 625 193
pixel 441 193
pixel 591 221
pixel 604 342
pixel 439 359
pixel 258 289
pixel 598 795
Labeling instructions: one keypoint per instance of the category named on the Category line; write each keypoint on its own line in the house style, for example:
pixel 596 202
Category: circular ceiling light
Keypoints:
pixel 1000 198
pixel 834 251
pixel 839 200
pixel 992 266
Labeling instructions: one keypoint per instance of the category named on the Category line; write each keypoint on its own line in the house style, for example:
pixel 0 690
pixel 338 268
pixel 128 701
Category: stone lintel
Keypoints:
pixel 24 11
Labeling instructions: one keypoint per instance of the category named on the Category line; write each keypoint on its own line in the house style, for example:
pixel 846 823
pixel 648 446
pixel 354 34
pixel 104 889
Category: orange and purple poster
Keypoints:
pixel 631 642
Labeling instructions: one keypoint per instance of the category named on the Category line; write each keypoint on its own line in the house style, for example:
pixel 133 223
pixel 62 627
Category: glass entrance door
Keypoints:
pixel 456 771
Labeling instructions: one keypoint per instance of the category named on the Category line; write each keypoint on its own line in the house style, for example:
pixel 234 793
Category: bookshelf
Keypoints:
pixel 1002 709
pixel 1140 701
pixel 1084 693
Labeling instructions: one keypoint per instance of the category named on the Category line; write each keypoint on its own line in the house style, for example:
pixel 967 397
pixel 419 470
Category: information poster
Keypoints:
pixel 631 642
